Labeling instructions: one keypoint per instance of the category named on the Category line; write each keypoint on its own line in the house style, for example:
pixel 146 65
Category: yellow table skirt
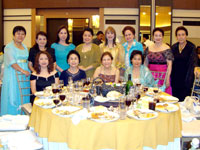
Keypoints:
pixel 129 134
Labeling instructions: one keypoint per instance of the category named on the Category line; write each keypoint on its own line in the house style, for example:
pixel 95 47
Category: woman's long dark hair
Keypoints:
pixel 37 66
pixel 57 36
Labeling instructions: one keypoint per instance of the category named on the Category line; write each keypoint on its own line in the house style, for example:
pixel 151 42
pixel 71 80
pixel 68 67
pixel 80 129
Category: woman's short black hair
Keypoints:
pixel 136 52
pixel 181 28
pixel 57 36
pixel 42 34
pixel 89 30
pixel 75 53
pixel 158 29
pixel 18 28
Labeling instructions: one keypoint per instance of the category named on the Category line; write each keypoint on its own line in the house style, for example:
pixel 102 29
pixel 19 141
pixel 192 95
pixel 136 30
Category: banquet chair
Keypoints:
pixel 196 87
pixel 21 78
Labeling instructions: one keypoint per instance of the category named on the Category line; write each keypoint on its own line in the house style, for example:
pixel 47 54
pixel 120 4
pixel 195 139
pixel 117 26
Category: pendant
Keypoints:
pixel 85 56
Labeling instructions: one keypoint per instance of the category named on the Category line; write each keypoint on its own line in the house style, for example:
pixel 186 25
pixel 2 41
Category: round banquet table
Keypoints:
pixel 128 134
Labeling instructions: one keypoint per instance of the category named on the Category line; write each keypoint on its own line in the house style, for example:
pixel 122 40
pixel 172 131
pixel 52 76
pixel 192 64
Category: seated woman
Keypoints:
pixel 73 59
pixel 44 74
pixel 139 72
pixel 106 71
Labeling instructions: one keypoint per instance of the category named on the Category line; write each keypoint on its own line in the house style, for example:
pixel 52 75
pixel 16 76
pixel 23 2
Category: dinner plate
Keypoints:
pixel 151 93
pixel 166 107
pixel 41 95
pixel 103 117
pixel 168 99
pixel 45 103
pixel 65 111
pixel 101 99
pixel 142 114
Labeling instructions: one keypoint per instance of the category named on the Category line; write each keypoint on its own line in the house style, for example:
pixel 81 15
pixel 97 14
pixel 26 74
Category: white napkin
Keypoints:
pixel 80 115
pixel 186 115
pixel 13 122
pixel 23 140
pixel 169 97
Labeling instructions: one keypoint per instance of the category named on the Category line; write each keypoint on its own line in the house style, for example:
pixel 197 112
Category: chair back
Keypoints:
pixel 196 86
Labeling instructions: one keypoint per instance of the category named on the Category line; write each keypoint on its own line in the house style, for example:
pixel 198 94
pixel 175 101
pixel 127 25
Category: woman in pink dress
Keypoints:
pixel 159 58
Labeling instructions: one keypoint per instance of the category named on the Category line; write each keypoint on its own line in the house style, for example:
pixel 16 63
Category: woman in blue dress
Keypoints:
pixel 62 48
pixel 131 44
pixel 15 59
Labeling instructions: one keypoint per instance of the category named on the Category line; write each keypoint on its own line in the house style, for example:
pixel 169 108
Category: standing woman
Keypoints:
pixel 40 45
pixel 114 48
pixel 185 61
pixel 131 44
pixel 90 53
pixel 62 48
pixel 159 58
pixel 15 59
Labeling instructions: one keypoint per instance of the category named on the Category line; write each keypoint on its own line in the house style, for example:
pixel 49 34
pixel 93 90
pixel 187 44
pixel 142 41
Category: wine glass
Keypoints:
pixel 128 101
pixel 54 88
pixel 61 82
pixel 62 96
pixel 56 102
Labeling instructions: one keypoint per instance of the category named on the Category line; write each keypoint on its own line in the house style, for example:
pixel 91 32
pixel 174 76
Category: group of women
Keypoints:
pixel 108 60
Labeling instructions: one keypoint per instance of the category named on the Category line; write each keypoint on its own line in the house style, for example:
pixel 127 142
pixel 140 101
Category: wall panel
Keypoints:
pixel 70 3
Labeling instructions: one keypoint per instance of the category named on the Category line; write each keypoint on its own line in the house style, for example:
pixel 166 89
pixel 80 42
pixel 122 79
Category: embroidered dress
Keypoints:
pixel 157 61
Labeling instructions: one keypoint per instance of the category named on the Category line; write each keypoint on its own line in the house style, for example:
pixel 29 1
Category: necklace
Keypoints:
pixel 181 47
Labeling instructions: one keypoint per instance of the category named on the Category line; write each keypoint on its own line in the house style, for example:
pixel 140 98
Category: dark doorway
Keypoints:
pixel 52 26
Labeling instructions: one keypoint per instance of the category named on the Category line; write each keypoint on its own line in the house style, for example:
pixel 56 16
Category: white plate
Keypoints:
pixel 142 114
pixel 69 109
pixel 150 92
pixel 104 118
pixel 98 109
pixel 101 99
pixel 169 99
pixel 169 108
pixel 44 103
pixel 40 94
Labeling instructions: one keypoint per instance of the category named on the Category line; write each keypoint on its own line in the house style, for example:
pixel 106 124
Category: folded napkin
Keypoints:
pixel 169 97
pixel 13 122
pixel 80 115
pixel 22 140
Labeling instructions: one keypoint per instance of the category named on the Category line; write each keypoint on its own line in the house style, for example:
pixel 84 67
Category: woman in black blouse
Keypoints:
pixel 44 74
pixel 40 45
pixel 185 61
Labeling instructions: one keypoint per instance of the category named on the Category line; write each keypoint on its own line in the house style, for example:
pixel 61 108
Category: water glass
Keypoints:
pixel 86 102
pixel 122 108
pixel 70 80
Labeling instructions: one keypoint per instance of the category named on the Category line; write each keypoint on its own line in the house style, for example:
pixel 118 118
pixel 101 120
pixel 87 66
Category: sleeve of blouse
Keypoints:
pixel 31 54
pixel 33 77
pixel 96 57
pixel 169 55
pixel 9 56
pixel 84 75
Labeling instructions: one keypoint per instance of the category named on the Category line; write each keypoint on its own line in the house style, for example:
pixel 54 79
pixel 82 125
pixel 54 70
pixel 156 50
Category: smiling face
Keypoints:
pixel 43 61
pixel 137 60
pixel 87 37
pixel 158 37
pixel 106 61
pixel 181 36
pixel 19 36
pixel 41 40
pixel 73 60
pixel 129 36
pixel 110 36
pixel 62 34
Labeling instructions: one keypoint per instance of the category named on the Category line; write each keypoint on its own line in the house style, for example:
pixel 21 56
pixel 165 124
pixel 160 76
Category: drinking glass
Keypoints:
pixel 122 108
pixel 70 80
pixel 55 88
pixel 61 82
pixel 56 102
